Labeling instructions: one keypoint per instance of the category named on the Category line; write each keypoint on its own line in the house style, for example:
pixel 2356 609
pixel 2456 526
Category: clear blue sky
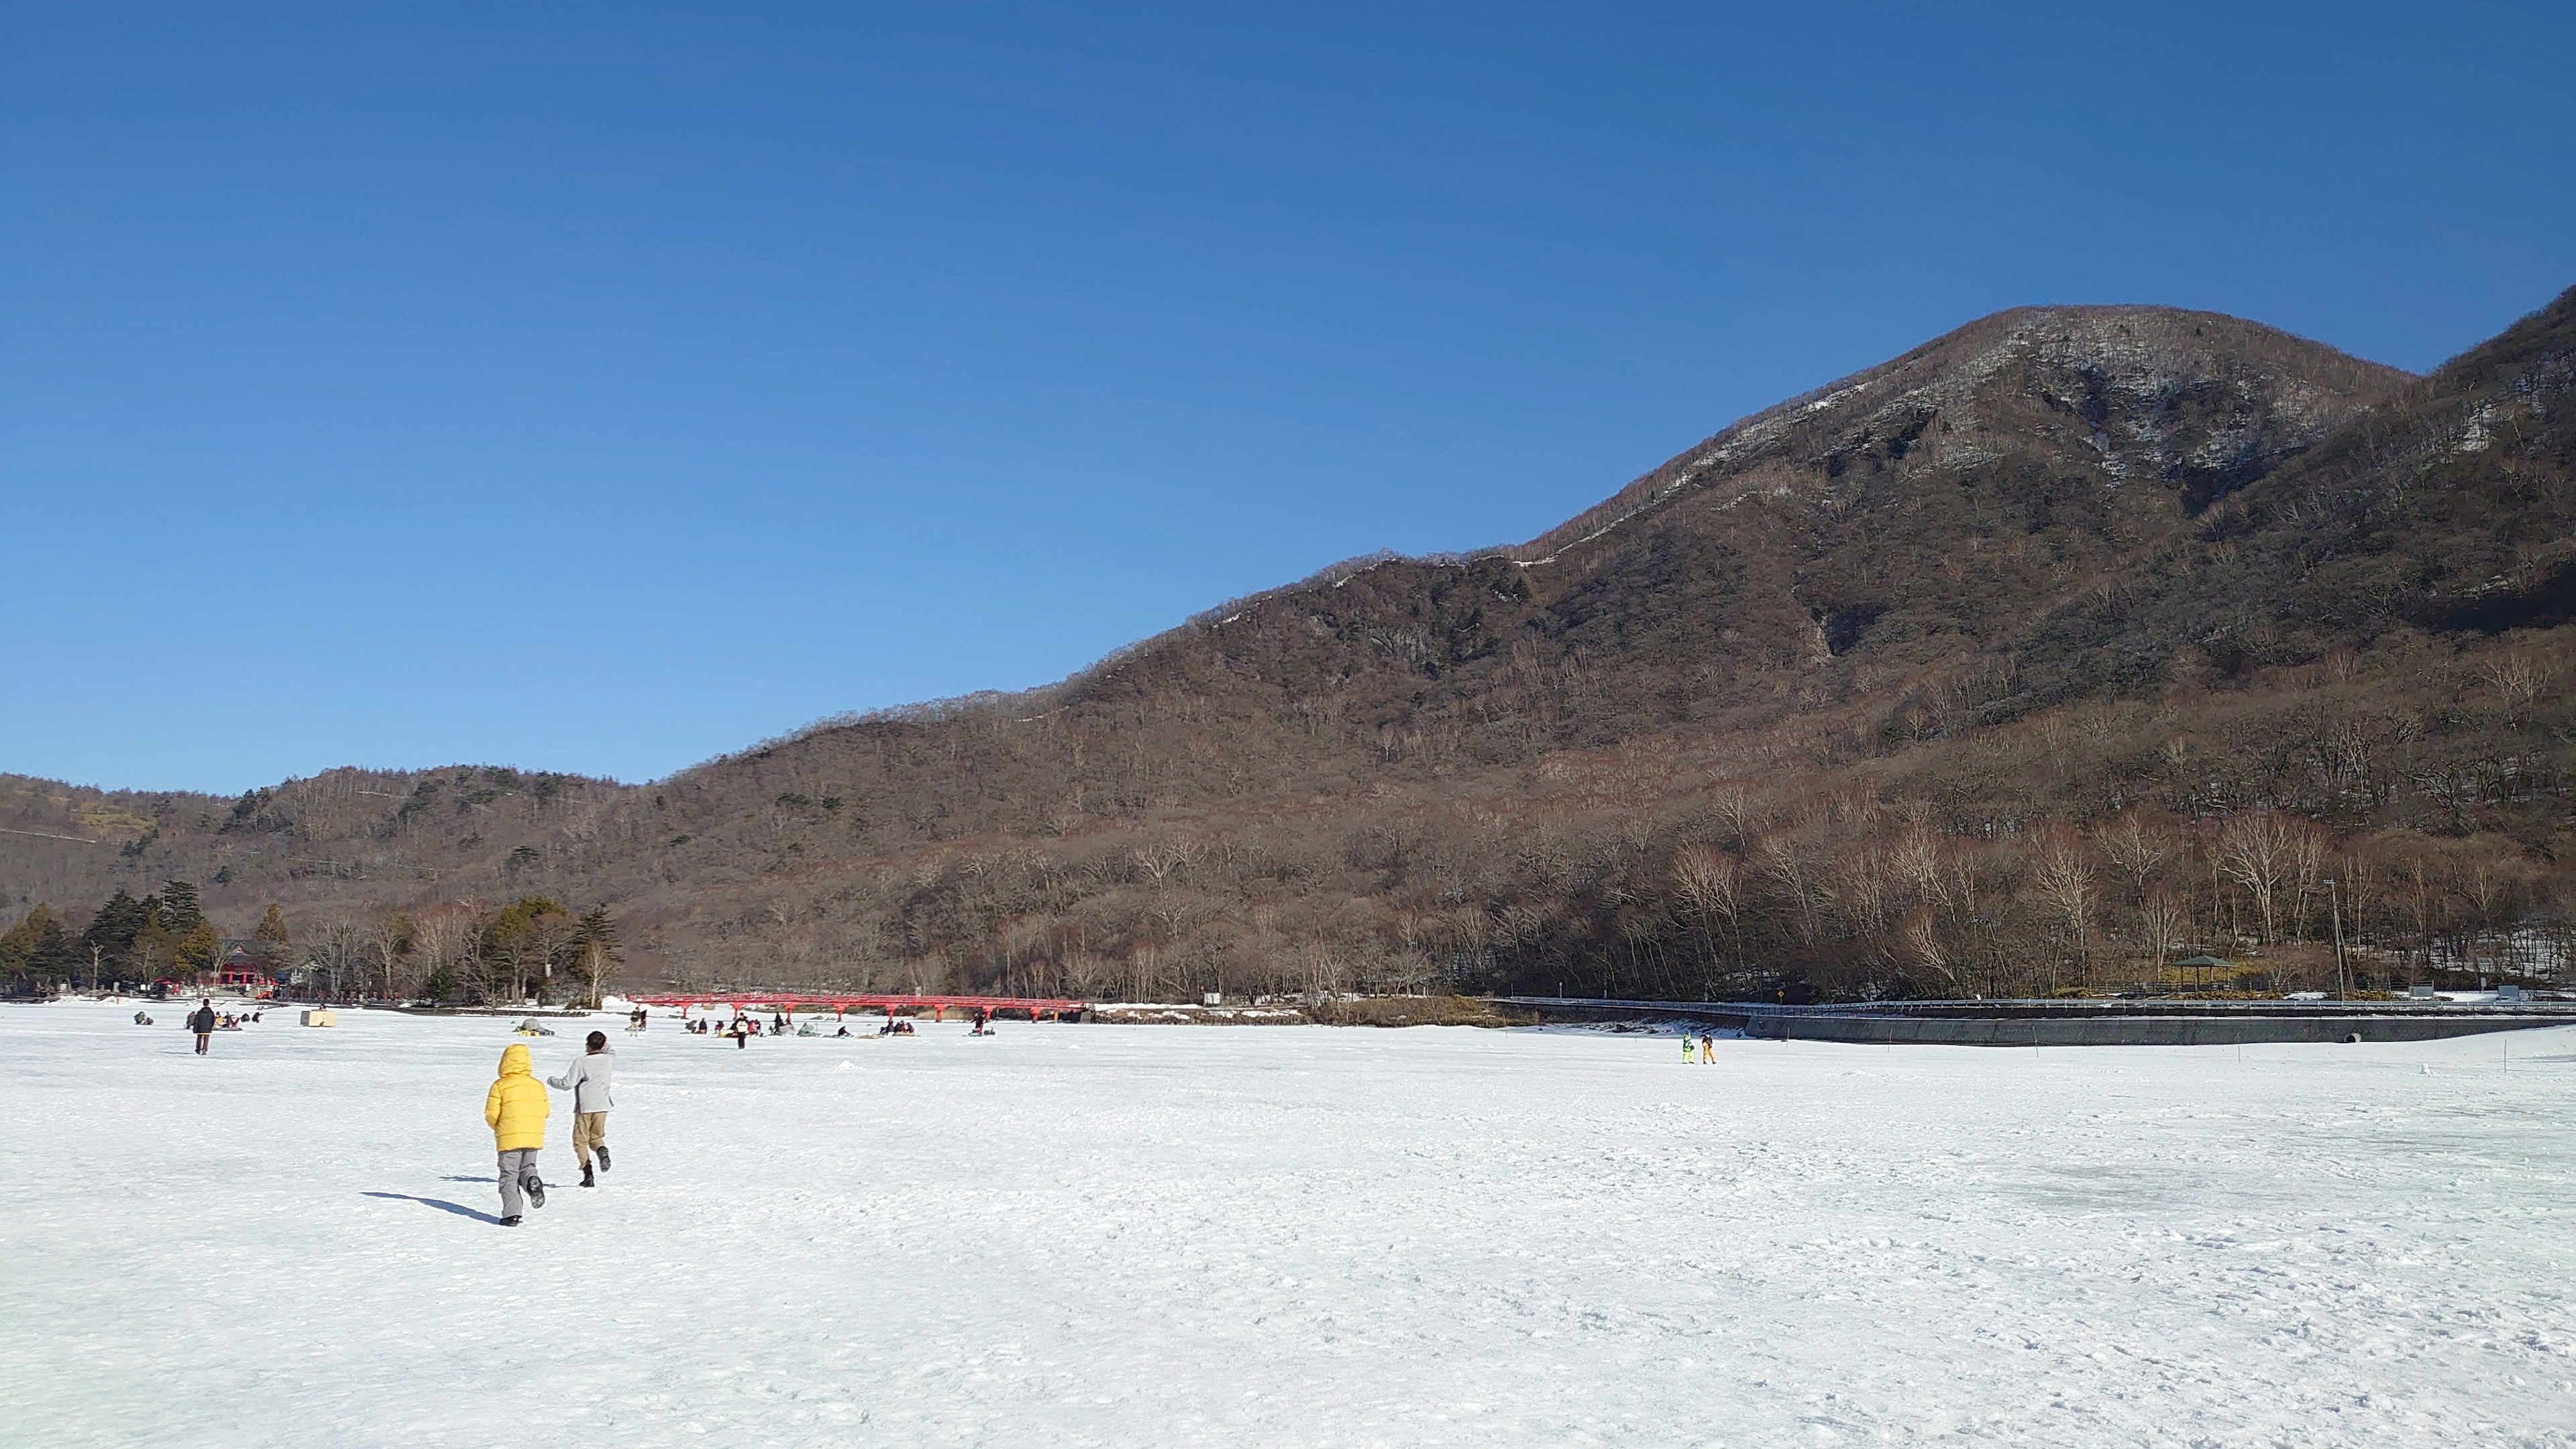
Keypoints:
pixel 602 387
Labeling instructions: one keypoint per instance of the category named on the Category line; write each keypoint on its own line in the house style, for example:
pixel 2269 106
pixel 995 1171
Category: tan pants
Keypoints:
pixel 589 1130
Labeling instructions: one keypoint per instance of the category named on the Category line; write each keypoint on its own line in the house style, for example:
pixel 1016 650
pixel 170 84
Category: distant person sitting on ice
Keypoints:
pixel 141 1020
pixel 587 1079
pixel 844 1031
pixel 202 1022
pixel 516 1109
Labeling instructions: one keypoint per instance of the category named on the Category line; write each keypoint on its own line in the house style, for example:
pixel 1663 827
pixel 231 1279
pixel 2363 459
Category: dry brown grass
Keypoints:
pixel 1418 1011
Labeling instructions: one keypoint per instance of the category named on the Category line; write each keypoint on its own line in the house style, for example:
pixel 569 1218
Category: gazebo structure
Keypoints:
pixel 2196 970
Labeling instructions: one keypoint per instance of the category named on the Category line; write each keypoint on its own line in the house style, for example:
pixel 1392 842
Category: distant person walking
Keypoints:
pixel 516 1109
pixel 587 1079
pixel 202 1022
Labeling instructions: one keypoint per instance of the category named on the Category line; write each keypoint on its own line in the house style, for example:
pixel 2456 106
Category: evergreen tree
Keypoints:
pixel 597 928
pixel 117 923
pixel 525 942
pixel 269 936
pixel 595 948
pixel 39 950
pixel 180 912
pixel 20 940
pixel 200 949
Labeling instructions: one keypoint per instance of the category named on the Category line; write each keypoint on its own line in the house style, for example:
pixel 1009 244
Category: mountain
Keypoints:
pixel 2071 638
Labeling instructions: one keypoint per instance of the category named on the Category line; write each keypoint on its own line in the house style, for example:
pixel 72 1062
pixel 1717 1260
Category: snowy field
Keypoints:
pixel 1198 1235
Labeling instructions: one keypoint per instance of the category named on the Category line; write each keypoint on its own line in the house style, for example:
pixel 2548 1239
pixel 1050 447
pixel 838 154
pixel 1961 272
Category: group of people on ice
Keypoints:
pixel 516 1109
pixel 205 1021
pixel 741 1029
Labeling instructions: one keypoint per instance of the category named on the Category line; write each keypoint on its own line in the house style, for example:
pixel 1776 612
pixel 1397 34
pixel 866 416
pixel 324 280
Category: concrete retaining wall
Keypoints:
pixel 2071 1023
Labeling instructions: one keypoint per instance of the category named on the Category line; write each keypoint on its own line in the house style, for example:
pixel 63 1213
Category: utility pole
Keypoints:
pixel 2334 904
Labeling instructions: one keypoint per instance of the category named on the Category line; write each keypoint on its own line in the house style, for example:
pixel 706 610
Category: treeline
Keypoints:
pixel 2410 798
pixel 124 942
pixel 533 947
pixel 1840 895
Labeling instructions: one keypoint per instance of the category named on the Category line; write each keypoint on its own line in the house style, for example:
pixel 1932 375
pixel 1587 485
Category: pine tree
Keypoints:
pixel 526 941
pixel 117 923
pixel 269 936
pixel 200 949
pixel 39 949
pixel 595 948
pixel 19 942
pixel 180 910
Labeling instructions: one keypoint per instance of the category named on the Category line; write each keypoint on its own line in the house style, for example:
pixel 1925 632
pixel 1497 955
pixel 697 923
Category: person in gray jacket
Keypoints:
pixel 587 1079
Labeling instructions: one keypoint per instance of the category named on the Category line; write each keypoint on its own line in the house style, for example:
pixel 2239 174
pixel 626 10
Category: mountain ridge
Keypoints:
pixel 2047 512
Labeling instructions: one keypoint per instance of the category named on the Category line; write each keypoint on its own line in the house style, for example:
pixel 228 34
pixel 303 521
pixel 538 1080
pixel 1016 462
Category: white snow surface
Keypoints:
pixel 1086 1234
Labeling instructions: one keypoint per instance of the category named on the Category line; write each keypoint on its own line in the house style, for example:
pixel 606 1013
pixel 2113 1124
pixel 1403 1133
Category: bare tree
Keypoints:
pixel 2138 849
pixel 2256 852
pixel 2162 924
pixel 2063 879
pixel 1710 882
pixel 1785 862
pixel 1737 812
pixel 341 947
pixel 2517 681
pixel 443 943
pixel 1921 944
pixel 391 941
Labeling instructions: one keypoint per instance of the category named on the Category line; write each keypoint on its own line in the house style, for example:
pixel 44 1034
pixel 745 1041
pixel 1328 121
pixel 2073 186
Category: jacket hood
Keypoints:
pixel 514 1059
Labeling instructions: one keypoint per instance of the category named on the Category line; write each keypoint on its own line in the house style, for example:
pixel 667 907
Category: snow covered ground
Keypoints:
pixel 1195 1235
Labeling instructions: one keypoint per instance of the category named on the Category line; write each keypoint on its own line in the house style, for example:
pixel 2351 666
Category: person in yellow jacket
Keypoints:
pixel 515 1109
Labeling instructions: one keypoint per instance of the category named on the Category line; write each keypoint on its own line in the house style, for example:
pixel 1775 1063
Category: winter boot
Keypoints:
pixel 535 1189
pixel 602 1150
pixel 586 1179
pixel 510 1222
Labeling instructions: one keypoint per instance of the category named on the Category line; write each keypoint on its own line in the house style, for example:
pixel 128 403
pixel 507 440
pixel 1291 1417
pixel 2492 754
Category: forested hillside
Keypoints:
pixel 2074 641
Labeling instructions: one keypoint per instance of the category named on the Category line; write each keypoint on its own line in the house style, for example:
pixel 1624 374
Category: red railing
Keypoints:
pixel 1038 1008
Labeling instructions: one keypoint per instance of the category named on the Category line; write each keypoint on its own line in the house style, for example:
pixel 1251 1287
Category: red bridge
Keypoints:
pixel 1035 1008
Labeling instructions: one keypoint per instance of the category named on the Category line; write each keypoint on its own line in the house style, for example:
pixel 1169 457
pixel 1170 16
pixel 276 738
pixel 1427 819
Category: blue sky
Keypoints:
pixel 601 388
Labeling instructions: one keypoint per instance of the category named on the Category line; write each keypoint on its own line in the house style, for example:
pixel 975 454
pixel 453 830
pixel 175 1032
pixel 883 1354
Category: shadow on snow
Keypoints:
pixel 459 1209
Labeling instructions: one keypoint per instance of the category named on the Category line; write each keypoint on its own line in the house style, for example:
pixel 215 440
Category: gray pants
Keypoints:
pixel 518 1165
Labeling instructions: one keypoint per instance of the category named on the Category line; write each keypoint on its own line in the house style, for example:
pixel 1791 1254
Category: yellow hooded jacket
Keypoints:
pixel 516 1107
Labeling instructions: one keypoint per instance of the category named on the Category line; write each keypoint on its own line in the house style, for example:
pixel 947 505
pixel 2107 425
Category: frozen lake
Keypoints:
pixel 1175 1235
